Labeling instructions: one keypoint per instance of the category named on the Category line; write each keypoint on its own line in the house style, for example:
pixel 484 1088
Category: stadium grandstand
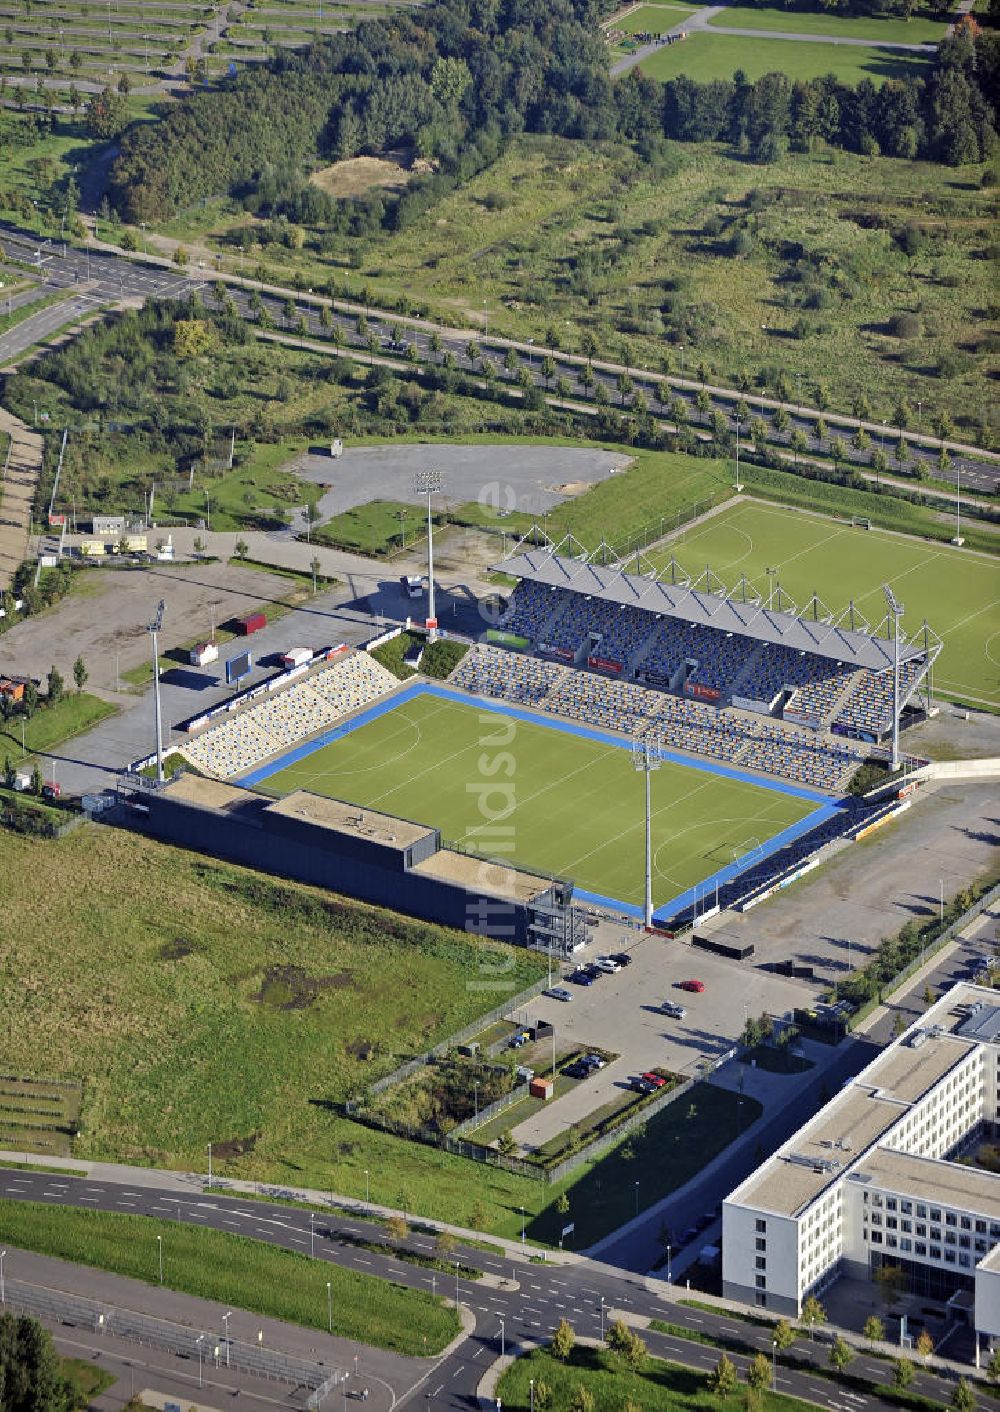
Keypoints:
pixel 714 672
pixel 272 723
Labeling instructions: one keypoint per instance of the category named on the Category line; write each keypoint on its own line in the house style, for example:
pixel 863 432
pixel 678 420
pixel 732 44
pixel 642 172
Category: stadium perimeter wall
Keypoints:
pixel 296 849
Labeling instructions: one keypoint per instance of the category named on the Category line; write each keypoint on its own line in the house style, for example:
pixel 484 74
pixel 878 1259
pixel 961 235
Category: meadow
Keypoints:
pixel 237 1271
pixel 919 29
pixel 954 589
pixel 576 807
pixel 155 998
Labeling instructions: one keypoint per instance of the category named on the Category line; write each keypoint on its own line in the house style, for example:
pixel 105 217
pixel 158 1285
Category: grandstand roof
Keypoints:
pixel 727 614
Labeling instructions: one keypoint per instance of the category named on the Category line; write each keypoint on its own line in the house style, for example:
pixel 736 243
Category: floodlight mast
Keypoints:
pixel 429 483
pixel 153 629
pixel 896 611
pixel 647 758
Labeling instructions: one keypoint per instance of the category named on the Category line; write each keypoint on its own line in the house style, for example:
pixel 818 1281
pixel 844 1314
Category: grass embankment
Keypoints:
pixel 656 1387
pixel 248 1274
pixel 439 658
pixel 51 725
pixel 378 528
pixel 210 970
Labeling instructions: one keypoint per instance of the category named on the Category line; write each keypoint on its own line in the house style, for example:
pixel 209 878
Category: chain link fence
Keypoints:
pixel 206 1346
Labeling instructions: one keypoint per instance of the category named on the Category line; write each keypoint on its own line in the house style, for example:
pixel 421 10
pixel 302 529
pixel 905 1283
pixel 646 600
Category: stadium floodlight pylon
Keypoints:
pixel 153 629
pixel 647 756
pixel 429 483
pixel 896 613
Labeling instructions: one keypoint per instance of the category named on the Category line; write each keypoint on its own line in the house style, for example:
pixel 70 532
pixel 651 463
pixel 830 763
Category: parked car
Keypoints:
pixel 594 971
pixel 640 1085
pixel 558 992
pixel 577 1070
pixel 622 957
pixel 654 1080
pixel 696 986
pixel 675 1011
pixel 608 964
pixel 582 977
pixel 593 1061
pixel 51 791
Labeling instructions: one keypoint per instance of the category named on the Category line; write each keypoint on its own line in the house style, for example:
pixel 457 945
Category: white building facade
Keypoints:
pixel 873 1179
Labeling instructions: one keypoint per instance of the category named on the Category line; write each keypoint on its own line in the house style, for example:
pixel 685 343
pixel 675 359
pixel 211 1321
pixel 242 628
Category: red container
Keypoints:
pixel 253 622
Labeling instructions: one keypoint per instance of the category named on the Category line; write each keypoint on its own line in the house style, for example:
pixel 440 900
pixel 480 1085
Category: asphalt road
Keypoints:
pixel 110 277
pixel 523 1313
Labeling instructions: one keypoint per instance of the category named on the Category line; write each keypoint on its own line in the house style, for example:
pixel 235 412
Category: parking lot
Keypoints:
pixel 621 1013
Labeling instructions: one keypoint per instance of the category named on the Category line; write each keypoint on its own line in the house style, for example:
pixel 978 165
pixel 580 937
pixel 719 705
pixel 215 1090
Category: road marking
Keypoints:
pixel 130 1204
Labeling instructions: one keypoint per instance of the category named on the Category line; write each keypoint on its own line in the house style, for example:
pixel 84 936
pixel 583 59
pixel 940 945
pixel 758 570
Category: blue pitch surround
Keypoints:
pixel 825 808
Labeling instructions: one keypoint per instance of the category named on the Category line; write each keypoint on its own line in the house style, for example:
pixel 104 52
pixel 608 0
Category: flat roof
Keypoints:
pixel 967 1188
pixel 991 1262
pixel 848 1128
pixel 494 878
pixel 210 794
pixel 727 614
pixel 336 815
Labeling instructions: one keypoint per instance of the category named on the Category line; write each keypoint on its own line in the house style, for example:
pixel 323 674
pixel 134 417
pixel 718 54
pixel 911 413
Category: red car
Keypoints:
pixel 653 1080
pixel 696 986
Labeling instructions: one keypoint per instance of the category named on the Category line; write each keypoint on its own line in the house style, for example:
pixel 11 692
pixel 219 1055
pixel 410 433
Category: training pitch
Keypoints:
pixel 956 590
pixel 552 797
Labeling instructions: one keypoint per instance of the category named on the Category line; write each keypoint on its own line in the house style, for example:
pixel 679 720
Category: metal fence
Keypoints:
pixel 615 1134
pixel 501 1012
pixel 208 1346
pixel 491 1111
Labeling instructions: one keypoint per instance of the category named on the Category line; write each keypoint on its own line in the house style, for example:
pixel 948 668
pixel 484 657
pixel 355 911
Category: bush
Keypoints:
pixel 904 325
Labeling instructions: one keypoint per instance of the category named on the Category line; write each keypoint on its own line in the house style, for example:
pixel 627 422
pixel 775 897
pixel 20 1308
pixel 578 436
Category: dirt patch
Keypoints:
pixel 176 949
pixel 357 175
pixel 234 1147
pixel 574 487
pixel 292 988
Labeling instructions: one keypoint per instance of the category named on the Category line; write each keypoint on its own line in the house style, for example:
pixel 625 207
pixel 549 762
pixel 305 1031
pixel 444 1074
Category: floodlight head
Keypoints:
pixel 157 622
pixel 428 482
pixel 895 606
pixel 646 753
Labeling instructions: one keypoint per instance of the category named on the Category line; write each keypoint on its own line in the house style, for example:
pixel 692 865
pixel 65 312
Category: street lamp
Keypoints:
pixel 368 1200
pixel 475 1096
pixel 429 483
pixel 329 1305
pixel 209 1166
pixel 738 486
pixel 3 1287
pixel 225 1320
pixel 774 1365
pixel 197 1343
pixel 531 1391
pixel 312 1235
pixel 637 1198
pixel 503 1332
pixel 602 1318
pixel 647 758
pixel 159 1246
pixel 670 1251
pixel 522 1228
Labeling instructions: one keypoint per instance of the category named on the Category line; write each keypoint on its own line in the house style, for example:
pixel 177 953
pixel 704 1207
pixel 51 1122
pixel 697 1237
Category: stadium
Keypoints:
pixel 754 714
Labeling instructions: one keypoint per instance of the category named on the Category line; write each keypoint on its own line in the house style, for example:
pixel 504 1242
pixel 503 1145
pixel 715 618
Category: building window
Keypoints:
pixel 760 1281
pixel 760 1225
pixel 891 1222
pixel 920 1248
pixel 935 1252
pixel 949 1257
pixel 980 1228
pixel 950 1219
pixel 964 1242
pixel 906 1207
pixel 965 1223
pixel 964 1260
pixel 935 1213
pixel 905 1244
pixel 890 1240
pixel 922 1212
pixel 760 1244
pixel 921 1229
pixel 876 1237
pixel 890 1203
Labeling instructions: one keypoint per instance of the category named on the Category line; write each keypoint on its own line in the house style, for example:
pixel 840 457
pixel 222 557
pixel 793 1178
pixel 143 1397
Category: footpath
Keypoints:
pixel 19 471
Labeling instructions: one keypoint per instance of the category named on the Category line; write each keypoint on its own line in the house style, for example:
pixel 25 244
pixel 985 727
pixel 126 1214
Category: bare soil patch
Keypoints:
pixel 357 175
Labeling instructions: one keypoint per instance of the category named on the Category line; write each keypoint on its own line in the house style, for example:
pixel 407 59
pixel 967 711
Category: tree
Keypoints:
pixel 548 370
pixel 29 701
pixel 925 1344
pixel 80 674
pixel 55 687
pixel 993 1367
pixel 783 1334
pixel 759 1373
pixel 890 1279
pixel 106 114
pixel 30 1372
pixel 874 1329
pixel 813 1313
pixel 562 1205
pixel 704 404
pixel 841 1354
pixel 929 996
pixel 194 338
pixel 445 1244
pixel 963 1399
pixel 723 1379
pixel 199 544
pixel 241 549
pixel 9 773
pixel 563 1340
pixel 543 1396
pixel 397 1228
pixel 36 780
pixel 902 1373
pixel 180 256
pixel 581 1400
pixel 898 1024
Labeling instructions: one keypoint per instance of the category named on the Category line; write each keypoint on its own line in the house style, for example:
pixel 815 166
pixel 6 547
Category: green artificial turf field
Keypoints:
pixel 958 591
pixel 576 804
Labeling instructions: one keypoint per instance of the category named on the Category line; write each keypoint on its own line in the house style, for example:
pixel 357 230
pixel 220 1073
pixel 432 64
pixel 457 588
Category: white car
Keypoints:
pixel 676 1012
pixel 607 964
pixel 559 992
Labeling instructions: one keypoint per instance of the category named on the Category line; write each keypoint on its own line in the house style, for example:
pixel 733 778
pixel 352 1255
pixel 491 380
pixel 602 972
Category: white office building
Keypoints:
pixel 874 1179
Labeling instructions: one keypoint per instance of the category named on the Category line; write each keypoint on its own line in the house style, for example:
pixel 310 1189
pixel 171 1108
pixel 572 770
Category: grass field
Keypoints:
pixel 654 19
pixel 576 804
pixel 955 590
pixel 243 1273
pixel 50 725
pixel 917 30
pixel 704 56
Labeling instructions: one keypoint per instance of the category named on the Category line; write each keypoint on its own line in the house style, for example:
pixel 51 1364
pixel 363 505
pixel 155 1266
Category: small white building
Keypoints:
pixel 202 653
pixel 873 1179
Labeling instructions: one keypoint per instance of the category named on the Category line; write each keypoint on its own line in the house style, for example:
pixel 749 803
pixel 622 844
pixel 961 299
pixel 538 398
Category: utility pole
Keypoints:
pixel 153 629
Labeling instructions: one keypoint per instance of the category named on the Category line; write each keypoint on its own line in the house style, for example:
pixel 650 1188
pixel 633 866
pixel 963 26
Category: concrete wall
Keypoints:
pixel 740 1255
pixel 988 1303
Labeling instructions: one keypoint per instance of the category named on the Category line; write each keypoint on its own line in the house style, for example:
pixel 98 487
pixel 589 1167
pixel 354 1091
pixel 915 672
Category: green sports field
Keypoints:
pixel 575 805
pixel 956 590
pixel 707 55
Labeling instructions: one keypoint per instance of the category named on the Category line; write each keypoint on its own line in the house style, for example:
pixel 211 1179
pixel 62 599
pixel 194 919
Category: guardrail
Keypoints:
pixel 184 1341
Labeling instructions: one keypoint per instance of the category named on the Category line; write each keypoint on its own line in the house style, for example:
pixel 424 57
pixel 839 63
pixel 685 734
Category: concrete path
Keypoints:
pixel 18 478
